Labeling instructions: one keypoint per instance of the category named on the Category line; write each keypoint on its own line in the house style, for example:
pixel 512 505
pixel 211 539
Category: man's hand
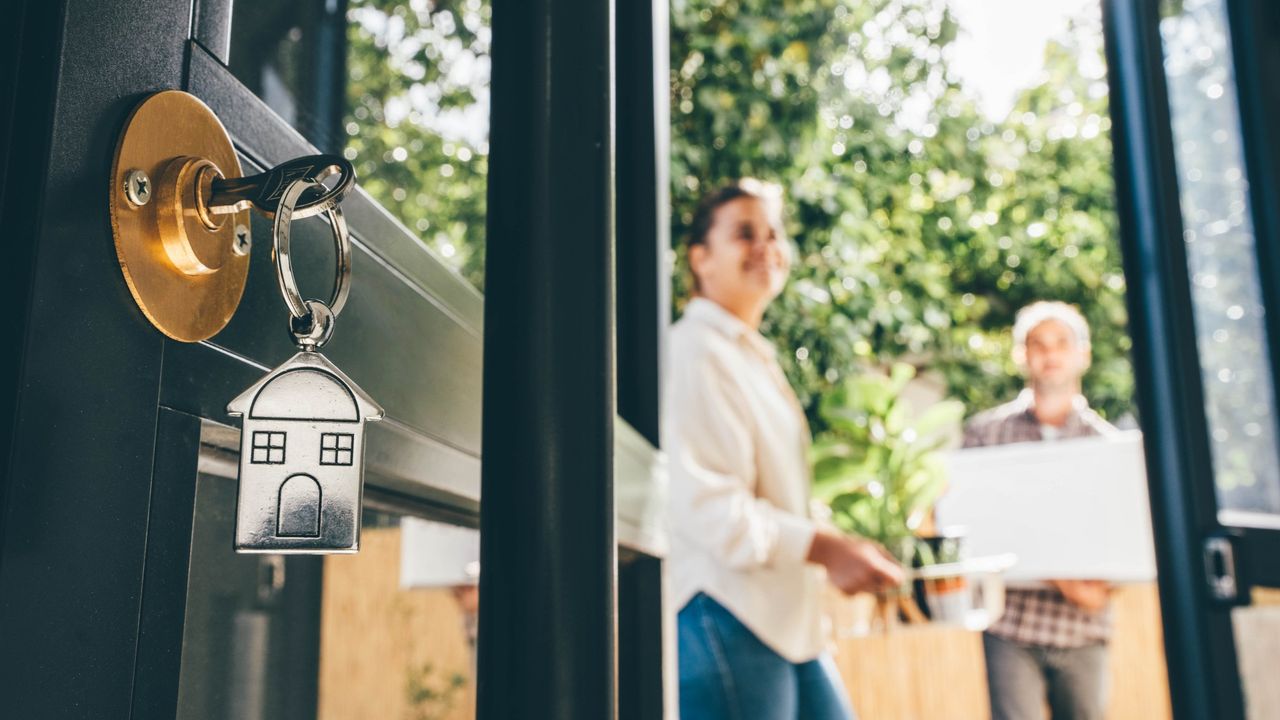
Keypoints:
pixel 1091 595
pixel 853 564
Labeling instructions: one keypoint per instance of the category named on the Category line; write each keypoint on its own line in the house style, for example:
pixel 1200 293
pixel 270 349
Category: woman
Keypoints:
pixel 747 561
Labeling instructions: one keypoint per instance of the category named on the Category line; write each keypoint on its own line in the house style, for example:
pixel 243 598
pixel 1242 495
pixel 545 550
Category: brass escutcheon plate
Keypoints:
pixel 182 265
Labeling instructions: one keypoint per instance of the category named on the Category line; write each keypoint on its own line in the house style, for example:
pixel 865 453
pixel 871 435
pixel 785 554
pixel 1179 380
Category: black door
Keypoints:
pixel 119 593
pixel 1195 101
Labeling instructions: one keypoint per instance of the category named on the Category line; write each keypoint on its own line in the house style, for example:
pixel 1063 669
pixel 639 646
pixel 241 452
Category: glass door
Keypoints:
pixel 1193 174
pixel 387 632
pixel 1230 290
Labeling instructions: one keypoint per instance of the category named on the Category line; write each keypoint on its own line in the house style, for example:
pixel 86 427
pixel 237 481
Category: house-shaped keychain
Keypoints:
pixel 302 459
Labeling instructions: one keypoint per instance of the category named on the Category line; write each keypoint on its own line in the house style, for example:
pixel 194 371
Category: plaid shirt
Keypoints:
pixel 1042 616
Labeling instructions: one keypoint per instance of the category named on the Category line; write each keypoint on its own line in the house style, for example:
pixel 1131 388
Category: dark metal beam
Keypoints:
pixel 212 27
pixel 80 462
pixel 29 49
pixel 546 645
pixel 643 207
pixel 640 636
pixel 1255 28
pixel 1197 635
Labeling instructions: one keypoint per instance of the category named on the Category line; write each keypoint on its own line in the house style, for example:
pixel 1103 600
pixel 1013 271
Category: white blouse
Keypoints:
pixel 738 443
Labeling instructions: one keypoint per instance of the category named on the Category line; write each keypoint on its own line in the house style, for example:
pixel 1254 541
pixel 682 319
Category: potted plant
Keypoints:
pixel 876 465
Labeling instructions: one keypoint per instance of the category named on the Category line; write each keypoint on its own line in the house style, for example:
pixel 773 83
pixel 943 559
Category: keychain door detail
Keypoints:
pixel 302 442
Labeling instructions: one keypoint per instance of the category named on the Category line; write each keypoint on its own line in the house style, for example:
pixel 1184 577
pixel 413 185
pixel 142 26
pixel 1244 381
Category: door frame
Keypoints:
pixel 1200 646
pixel 1255 27
pixel 124 415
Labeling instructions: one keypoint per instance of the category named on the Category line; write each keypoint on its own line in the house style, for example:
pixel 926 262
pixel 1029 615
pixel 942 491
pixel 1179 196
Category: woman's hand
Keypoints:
pixel 854 564
pixel 1091 595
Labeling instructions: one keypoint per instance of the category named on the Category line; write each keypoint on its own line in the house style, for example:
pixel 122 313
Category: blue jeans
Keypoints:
pixel 1021 677
pixel 726 673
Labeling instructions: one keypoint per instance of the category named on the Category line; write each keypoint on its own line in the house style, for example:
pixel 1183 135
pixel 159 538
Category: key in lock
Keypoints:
pixel 302 441
pixel 264 191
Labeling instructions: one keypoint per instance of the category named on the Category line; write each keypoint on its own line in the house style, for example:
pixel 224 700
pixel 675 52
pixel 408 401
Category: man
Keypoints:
pixel 1051 641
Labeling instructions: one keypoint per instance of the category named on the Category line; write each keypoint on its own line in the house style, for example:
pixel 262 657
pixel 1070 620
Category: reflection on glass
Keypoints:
pixel 401 88
pixel 291 55
pixel 399 622
pixel 1225 288
pixel 249 646
pixel 386 633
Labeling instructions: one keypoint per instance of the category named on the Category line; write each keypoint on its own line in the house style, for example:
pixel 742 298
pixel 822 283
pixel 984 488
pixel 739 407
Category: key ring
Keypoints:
pixel 320 315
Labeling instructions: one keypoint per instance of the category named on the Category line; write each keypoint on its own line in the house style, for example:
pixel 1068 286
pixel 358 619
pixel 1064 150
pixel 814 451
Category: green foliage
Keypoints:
pixel 919 227
pixel 876 466
pixel 431 696
pixel 418 77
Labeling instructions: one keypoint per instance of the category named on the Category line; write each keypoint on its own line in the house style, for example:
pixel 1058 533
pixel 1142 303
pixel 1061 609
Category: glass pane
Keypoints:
pixel 388 632
pixel 400 88
pixel 291 54
pixel 1225 286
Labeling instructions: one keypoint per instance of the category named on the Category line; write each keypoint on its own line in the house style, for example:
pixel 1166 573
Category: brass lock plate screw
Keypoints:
pixel 137 188
pixel 243 240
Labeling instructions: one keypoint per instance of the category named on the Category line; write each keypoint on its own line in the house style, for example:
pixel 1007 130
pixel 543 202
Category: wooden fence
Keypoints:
pixel 402 654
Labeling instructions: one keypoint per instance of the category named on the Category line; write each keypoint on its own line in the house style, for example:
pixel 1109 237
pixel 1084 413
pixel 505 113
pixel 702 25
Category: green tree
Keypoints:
pixel 417 101
pixel 919 226
pixel 1055 234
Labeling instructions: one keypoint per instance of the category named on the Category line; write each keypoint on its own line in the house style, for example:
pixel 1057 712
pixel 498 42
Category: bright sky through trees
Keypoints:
pixel 1000 49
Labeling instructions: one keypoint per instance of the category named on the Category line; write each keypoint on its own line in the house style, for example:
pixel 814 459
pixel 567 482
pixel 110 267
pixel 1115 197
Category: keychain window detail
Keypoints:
pixel 268 448
pixel 335 448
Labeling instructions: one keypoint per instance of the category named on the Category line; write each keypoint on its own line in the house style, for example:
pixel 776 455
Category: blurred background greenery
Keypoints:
pixel 920 225
pixel 418 115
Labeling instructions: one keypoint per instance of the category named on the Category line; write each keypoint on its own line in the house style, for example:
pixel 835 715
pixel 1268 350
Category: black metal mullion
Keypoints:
pixel 212 27
pixel 78 476
pixel 1255 26
pixel 643 206
pixel 547 552
pixel 30 45
pixel 329 77
pixel 1198 636
pixel 640 637
pixel 168 555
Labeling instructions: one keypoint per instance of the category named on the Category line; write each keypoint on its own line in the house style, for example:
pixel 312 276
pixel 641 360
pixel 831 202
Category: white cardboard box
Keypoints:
pixel 1069 509
pixel 435 555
